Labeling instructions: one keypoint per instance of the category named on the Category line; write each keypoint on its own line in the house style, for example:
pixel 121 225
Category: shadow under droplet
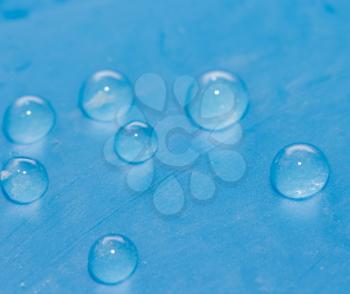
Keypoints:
pixel 15 14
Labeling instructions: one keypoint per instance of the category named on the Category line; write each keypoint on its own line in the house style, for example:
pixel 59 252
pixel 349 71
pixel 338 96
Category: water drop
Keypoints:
pixel 106 95
pixel 136 142
pixel 24 180
pixel 221 101
pixel 299 171
pixel 28 119
pixel 112 259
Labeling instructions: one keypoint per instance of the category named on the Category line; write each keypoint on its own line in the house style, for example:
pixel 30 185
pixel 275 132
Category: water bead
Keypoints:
pixel 24 180
pixel 28 119
pixel 136 142
pixel 299 171
pixel 112 259
pixel 221 101
pixel 106 95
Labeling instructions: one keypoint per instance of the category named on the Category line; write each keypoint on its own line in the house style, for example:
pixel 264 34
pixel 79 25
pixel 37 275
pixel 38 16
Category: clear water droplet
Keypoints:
pixel 112 259
pixel 136 142
pixel 24 180
pixel 228 165
pixel 221 101
pixel 169 198
pixel 299 171
pixel 202 186
pixel 28 119
pixel 106 95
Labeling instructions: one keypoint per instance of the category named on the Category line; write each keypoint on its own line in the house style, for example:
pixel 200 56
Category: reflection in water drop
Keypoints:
pixel 24 180
pixel 28 119
pixel 228 165
pixel 106 95
pixel 136 142
pixel 112 259
pixel 202 186
pixel 169 198
pixel 221 101
pixel 299 171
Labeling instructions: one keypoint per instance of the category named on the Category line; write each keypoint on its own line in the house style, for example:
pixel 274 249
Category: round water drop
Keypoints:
pixel 136 142
pixel 299 171
pixel 28 119
pixel 106 95
pixel 221 101
pixel 112 259
pixel 24 180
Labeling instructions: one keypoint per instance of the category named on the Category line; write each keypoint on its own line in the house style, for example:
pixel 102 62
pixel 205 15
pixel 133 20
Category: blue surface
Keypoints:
pixel 294 58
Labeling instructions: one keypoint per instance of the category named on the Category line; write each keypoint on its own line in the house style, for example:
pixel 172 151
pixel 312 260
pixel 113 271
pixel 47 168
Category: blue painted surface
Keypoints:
pixel 294 58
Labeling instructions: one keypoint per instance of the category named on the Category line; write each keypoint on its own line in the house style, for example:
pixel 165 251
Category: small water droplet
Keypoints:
pixel 24 180
pixel 202 186
pixel 299 171
pixel 221 101
pixel 112 259
pixel 169 198
pixel 28 119
pixel 136 142
pixel 106 95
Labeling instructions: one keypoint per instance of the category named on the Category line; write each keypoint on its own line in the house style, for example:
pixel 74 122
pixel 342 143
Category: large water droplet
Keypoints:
pixel 28 119
pixel 106 95
pixel 299 171
pixel 112 259
pixel 24 180
pixel 221 101
pixel 169 198
pixel 136 142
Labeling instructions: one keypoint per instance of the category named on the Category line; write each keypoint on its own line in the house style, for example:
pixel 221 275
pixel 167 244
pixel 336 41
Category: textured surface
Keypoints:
pixel 294 57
